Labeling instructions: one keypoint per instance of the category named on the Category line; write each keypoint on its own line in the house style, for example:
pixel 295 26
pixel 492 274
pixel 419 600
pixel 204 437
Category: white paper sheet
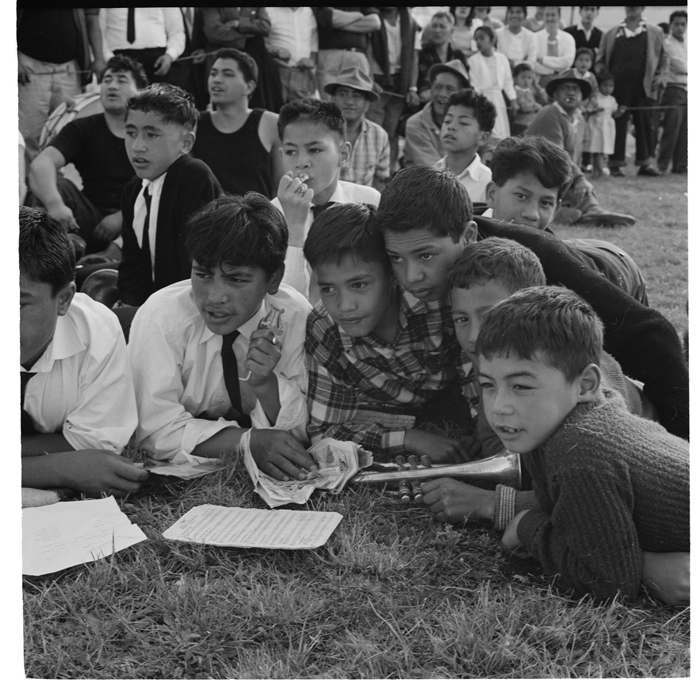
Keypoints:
pixel 66 534
pixel 254 528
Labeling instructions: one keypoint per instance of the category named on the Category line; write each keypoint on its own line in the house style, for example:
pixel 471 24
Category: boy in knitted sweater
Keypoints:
pixel 609 486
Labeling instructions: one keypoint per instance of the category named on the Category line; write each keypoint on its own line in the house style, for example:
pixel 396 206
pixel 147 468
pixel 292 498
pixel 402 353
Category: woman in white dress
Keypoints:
pixel 490 75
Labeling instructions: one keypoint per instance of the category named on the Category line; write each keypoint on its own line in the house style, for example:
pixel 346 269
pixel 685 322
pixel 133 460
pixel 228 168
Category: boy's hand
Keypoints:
pixel 450 500
pixel 264 352
pixel 279 454
pixel 109 227
pixel 667 577
pixel 295 197
pixel 64 215
pixel 95 473
pixel 438 448
pixel 510 537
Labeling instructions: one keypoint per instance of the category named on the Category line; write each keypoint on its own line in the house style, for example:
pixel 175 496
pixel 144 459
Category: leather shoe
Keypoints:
pixel 102 287
pixel 648 171
pixel 606 219
pixel 616 172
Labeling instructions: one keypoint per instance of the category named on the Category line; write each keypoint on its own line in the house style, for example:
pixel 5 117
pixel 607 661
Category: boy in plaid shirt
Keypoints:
pixel 380 361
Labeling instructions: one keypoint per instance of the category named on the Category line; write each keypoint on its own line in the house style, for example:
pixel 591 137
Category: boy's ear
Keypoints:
pixel 188 142
pixel 589 383
pixel 64 298
pixel 469 234
pixel 345 153
pixel 276 280
pixel 491 189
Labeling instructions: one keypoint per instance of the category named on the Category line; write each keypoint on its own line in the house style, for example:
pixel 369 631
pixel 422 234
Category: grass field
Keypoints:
pixel 391 595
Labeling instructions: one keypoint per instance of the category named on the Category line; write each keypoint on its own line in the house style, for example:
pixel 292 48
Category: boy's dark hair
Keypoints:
pixel 522 67
pixel 549 163
pixel 122 63
pixel 484 110
pixel 500 260
pixel 489 32
pixel 549 321
pixel 314 110
pixel 604 75
pixel 443 15
pixel 425 198
pixel 342 230
pixel 678 13
pixel 585 51
pixel 46 252
pixel 245 62
pixel 522 7
pixel 243 231
pixel 173 104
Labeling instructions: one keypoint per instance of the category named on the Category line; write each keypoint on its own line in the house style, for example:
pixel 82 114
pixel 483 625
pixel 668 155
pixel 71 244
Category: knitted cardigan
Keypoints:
pixel 608 485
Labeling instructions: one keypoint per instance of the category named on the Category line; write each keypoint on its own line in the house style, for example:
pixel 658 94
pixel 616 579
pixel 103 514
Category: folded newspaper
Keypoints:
pixel 338 461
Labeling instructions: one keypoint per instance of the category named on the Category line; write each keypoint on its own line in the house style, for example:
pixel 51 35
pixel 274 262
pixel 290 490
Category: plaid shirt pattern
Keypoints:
pixel 348 375
pixel 370 156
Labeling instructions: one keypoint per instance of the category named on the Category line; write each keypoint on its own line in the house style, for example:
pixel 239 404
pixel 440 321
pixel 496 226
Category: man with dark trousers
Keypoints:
pixel 634 53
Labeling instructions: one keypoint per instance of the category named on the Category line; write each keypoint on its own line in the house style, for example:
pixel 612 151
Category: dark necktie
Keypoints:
pixel 318 209
pixel 131 25
pixel 146 263
pixel 233 387
pixel 27 422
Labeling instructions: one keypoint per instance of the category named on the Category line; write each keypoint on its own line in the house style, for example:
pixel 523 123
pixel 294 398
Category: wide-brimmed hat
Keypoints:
pixel 352 77
pixel 454 67
pixel 568 75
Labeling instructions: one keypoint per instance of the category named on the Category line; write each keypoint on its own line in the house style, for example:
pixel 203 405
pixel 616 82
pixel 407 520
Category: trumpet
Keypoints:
pixel 502 468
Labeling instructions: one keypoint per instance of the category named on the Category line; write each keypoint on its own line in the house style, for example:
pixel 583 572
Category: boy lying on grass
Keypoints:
pixel 380 361
pixel 608 485
pixel 204 370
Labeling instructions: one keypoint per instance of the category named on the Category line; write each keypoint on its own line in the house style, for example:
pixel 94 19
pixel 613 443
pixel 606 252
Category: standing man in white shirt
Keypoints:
pixel 674 141
pixel 77 395
pixel 155 36
pixel 293 43
pixel 556 49
pixel 516 42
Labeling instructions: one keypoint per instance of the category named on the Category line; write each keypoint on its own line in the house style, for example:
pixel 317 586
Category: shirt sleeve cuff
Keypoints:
pixel 195 432
pixel 393 440
pixel 504 511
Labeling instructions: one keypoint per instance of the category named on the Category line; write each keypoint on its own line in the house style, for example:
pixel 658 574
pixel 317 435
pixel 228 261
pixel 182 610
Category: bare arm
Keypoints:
pixel 22 174
pixel 39 444
pixel 42 177
pixel 356 22
pixel 92 19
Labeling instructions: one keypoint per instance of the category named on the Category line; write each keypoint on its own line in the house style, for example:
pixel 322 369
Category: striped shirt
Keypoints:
pixel 370 156
pixel 364 390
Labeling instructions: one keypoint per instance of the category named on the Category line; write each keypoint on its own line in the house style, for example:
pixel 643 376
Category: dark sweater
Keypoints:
pixel 189 184
pixel 609 485
pixel 641 339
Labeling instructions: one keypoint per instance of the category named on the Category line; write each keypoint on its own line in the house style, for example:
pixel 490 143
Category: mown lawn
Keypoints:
pixel 391 595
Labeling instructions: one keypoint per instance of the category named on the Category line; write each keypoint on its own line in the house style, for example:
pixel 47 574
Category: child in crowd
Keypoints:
pixel 530 176
pixel 424 217
pixel 490 75
pixel 609 486
pixel 168 187
pixel 526 105
pixel 601 125
pixel 314 149
pixel 582 70
pixel 77 400
pixel 468 122
pixel 205 370
pixel 379 360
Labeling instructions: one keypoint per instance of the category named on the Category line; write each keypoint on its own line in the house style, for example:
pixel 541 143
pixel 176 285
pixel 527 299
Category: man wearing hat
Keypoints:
pixel 423 146
pixel 369 163
pixel 557 122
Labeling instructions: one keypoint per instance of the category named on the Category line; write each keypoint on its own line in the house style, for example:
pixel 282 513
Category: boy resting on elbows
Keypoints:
pixel 468 122
pixel 530 176
pixel 168 187
pixel 487 273
pixel 205 371
pixel 378 360
pixel 77 400
pixel 314 150
pixel 609 485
